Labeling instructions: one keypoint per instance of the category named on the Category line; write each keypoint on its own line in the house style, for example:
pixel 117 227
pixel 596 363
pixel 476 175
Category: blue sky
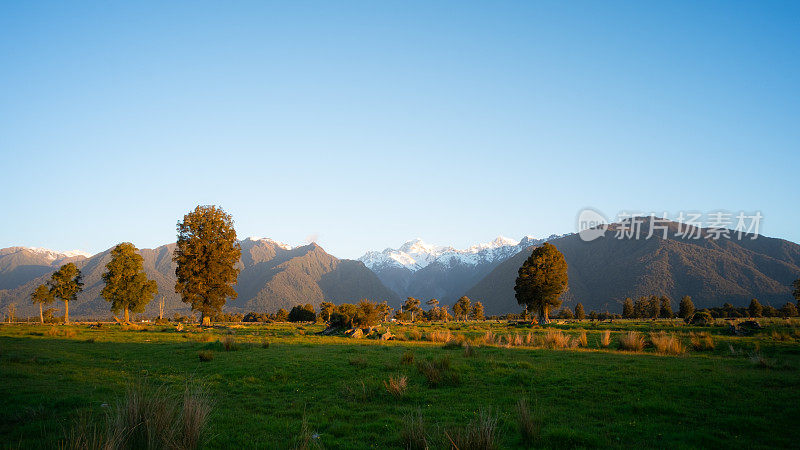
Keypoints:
pixel 366 124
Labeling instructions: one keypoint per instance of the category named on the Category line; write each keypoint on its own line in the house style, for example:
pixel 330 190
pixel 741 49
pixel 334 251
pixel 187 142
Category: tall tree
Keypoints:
pixel 477 311
pixel 411 305
pixel 755 309
pixel 461 308
pixel 686 307
pixel 127 286
pixel 627 309
pixel 325 310
pixel 65 284
pixel 206 255
pixel 42 296
pixel 433 303
pixel 580 314
pixel 666 307
pixel 541 280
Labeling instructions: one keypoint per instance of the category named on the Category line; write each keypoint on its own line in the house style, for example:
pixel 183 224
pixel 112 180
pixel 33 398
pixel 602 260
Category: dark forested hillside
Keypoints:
pixel 605 271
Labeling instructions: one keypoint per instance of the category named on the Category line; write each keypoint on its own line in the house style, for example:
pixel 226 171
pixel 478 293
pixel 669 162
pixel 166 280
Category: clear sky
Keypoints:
pixel 370 123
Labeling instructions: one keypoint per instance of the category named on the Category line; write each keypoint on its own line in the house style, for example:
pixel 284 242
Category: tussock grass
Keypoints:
pixel 439 372
pixel 203 337
pixel 582 341
pixel 702 341
pixel 264 343
pixel 759 360
pixel 556 339
pixel 632 341
pixel 205 355
pixel 229 343
pixel 489 338
pixel 61 332
pixel 530 426
pixel 469 350
pixel 145 418
pixel 667 344
pixel 780 336
pixel 414 335
pixel 359 391
pixel 407 358
pixel 413 432
pixel 132 327
pixel 358 361
pixel 396 385
pixel 439 336
pixel 480 434
pixel 307 438
pixel 605 339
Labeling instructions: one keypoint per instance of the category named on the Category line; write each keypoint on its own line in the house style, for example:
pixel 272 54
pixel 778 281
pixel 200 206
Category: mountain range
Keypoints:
pixel 602 272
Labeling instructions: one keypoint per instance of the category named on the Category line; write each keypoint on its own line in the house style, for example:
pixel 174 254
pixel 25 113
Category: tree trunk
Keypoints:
pixel 543 317
pixel 66 311
pixel 205 320
pixel 126 315
pixel 41 315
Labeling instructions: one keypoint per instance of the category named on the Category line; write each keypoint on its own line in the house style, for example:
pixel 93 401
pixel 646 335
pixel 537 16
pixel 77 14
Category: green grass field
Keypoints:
pixel 744 393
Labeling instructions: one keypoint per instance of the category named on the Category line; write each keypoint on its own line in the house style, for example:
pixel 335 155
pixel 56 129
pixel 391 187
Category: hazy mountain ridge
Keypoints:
pixel 604 271
pixel 273 275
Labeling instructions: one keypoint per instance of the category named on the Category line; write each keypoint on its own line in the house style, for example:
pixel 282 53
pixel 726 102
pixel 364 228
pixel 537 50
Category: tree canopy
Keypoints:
pixel 127 286
pixel 206 256
pixel 42 296
pixel 541 280
pixel 686 307
pixel 65 284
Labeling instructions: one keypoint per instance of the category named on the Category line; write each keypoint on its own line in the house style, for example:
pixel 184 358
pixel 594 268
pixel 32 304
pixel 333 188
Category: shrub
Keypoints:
pixel 413 432
pixel 407 358
pixel 605 338
pixel 632 341
pixel 206 355
pixel 439 372
pixel 701 318
pixel 479 434
pixel 667 344
pixel 396 386
pixel 529 426
pixel 702 341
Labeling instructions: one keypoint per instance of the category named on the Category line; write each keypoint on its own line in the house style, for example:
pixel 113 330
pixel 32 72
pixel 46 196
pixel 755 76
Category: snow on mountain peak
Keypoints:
pixel 272 241
pixel 416 253
pixel 54 255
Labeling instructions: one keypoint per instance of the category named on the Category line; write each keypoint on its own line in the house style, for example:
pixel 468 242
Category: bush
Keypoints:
pixel 302 314
pixel 701 318
pixel 702 341
pixel 439 372
pixel 667 344
pixel 396 386
pixel 632 341
pixel 479 434
pixel 206 355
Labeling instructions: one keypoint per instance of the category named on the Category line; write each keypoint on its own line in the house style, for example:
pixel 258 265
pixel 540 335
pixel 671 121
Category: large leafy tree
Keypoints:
pixel 627 309
pixel 65 284
pixel 477 311
pixel 686 307
pixel 411 305
pixel 42 296
pixel 461 308
pixel 127 286
pixel 755 309
pixel 541 280
pixel 206 255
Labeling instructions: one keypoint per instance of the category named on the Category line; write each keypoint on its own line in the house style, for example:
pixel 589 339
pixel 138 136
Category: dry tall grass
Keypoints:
pixel 145 418
pixel 605 338
pixel 439 336
pixel 480 434
pixel 407 358
pixel 582 341
pixel 396 386
pixel 230 344
pixel 702 341
pixel 667 344
pixel 529 426
pixel 413 432
pixel 556 339
pixel 632 341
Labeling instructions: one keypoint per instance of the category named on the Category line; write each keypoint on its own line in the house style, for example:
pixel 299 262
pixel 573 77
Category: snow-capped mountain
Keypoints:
pixel 418 269
pixel 256 239
pixel 54 255
pixel 417 254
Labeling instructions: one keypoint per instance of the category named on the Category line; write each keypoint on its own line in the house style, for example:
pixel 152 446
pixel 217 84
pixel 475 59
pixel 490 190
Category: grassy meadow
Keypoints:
pixel 283 385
